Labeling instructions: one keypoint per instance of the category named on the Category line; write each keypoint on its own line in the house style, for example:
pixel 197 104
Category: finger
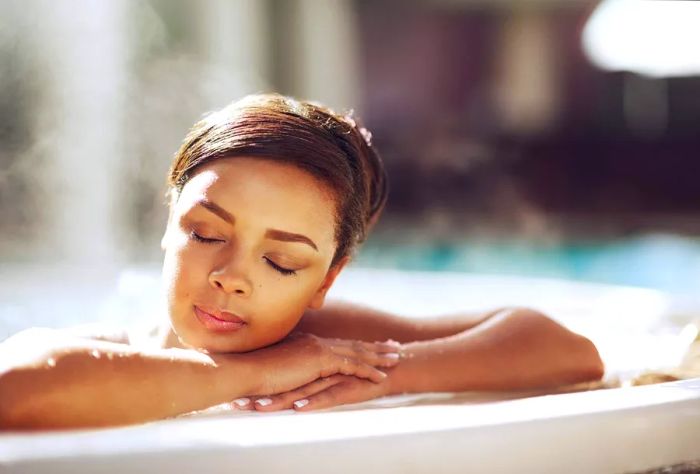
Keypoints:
pixel 333 396
pixel 350 366
pixel 286 400
pixel 387 346
pixel 243 403
pixel 364 352
pixel 262 403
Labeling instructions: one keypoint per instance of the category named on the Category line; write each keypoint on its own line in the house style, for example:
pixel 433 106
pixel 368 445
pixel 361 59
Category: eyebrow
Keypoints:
pixel 283 236
pixel 273 234
pixel 218 210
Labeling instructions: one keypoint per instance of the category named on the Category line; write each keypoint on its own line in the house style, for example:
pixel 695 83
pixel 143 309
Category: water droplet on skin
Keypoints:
pixel 51 362
pixel 95 353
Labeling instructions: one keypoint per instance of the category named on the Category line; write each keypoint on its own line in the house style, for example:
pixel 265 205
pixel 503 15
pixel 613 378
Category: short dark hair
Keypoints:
pixel 334 148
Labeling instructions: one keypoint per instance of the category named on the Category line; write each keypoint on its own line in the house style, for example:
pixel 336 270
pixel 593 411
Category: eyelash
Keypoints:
pixel 282 270
pixel 203 240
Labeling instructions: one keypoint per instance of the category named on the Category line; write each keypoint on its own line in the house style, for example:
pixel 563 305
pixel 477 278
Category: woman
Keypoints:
pixel 268 199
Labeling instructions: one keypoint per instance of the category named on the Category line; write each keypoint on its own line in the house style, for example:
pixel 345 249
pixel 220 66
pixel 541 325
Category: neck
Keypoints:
pixel 167 338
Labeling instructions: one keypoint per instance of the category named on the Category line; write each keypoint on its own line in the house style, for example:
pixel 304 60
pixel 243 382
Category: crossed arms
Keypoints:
pixel 52 379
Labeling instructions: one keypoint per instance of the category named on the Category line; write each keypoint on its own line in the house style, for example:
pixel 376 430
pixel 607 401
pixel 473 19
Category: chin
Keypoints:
pixel 243 340
pixel 220 344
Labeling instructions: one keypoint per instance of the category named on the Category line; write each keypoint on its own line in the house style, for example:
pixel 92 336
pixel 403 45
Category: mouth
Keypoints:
pixel 218 321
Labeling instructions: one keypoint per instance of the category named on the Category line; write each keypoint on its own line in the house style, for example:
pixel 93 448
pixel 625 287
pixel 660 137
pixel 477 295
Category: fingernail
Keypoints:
pixel 391 355
pixel 241 402
pixel 263 402
pixel 301 403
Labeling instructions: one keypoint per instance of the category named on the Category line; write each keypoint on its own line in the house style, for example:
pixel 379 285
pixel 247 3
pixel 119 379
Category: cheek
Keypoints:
pixel 276 316
pixel 182 270
pixel 287 299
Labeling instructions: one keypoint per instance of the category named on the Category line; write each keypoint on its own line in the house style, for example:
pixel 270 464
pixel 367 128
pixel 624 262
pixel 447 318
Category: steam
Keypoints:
pixel 96 99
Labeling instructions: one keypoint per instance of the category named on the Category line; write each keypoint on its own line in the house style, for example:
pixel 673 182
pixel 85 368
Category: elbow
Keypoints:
pixel 10 407
pixel 5 409
pixel 590 365
pixel 10 385
pixel 7 421
pixel 571 357
pixel 24 407
pixel 23 379
pixel 21 401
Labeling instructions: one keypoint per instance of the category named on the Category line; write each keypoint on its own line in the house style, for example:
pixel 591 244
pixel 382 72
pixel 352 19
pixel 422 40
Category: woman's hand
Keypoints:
pixel 325 392
pixel 301 359
pixel 518 349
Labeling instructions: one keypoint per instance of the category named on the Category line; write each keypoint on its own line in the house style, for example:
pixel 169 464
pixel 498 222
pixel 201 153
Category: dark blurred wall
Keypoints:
pixel 609 154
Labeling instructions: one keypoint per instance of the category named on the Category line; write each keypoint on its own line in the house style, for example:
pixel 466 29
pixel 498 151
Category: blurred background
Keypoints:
pixel 554 138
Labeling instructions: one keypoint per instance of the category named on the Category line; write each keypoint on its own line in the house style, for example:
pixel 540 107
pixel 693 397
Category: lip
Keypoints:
pixel 218 321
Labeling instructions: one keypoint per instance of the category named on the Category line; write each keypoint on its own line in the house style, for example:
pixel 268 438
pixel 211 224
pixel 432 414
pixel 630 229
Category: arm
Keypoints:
pixel 500 349
pixel 510 350
pixel 73 382
pixel 51 380
pixel 514 349
pixel 351 321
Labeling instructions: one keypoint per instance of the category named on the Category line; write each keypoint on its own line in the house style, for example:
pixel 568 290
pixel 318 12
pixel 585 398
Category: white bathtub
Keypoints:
pixel 616 430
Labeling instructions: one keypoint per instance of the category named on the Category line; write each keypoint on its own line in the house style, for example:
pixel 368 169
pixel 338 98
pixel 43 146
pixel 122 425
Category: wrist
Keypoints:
pixel 428 366
pixel 236 375
pixel 401 378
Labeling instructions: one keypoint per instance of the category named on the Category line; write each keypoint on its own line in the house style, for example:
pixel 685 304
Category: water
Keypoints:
pixel 663 262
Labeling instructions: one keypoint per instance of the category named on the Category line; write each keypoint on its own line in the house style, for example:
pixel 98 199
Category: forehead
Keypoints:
pixel 265 191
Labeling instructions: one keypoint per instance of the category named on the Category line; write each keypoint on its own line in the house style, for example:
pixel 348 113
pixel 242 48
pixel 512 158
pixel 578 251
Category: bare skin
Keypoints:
pixel 52 379
pixel 90 381
pixel 507 349
pixel 249 258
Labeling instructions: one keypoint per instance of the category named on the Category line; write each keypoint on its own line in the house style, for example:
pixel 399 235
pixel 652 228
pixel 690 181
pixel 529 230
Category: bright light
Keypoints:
pixel 655 38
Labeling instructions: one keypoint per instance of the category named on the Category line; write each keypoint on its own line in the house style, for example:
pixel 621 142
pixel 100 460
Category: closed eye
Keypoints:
pixel 205 240
pixel 282 270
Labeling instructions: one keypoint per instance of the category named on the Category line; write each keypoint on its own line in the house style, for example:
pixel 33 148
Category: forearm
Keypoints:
pixel 87 383
pixel 515 349
pixel 352 321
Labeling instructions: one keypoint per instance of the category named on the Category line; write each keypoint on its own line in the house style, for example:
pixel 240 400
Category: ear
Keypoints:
pixel 320 296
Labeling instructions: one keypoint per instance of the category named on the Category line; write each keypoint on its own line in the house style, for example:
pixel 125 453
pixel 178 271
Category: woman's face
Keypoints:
pixel 248 248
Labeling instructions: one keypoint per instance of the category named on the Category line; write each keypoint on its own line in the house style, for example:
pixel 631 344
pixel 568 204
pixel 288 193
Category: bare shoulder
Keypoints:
pixel 99 332
pixel 33 344
pixel 92 331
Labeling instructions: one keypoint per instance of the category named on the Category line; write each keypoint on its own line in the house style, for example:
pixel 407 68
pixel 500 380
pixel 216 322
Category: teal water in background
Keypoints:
pixel 664 262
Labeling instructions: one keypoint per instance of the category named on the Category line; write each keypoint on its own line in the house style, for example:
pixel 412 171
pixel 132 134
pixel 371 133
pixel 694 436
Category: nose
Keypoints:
pixel 231 279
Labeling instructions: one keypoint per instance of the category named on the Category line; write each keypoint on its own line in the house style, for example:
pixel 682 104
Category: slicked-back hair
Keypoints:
pixel 334 148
